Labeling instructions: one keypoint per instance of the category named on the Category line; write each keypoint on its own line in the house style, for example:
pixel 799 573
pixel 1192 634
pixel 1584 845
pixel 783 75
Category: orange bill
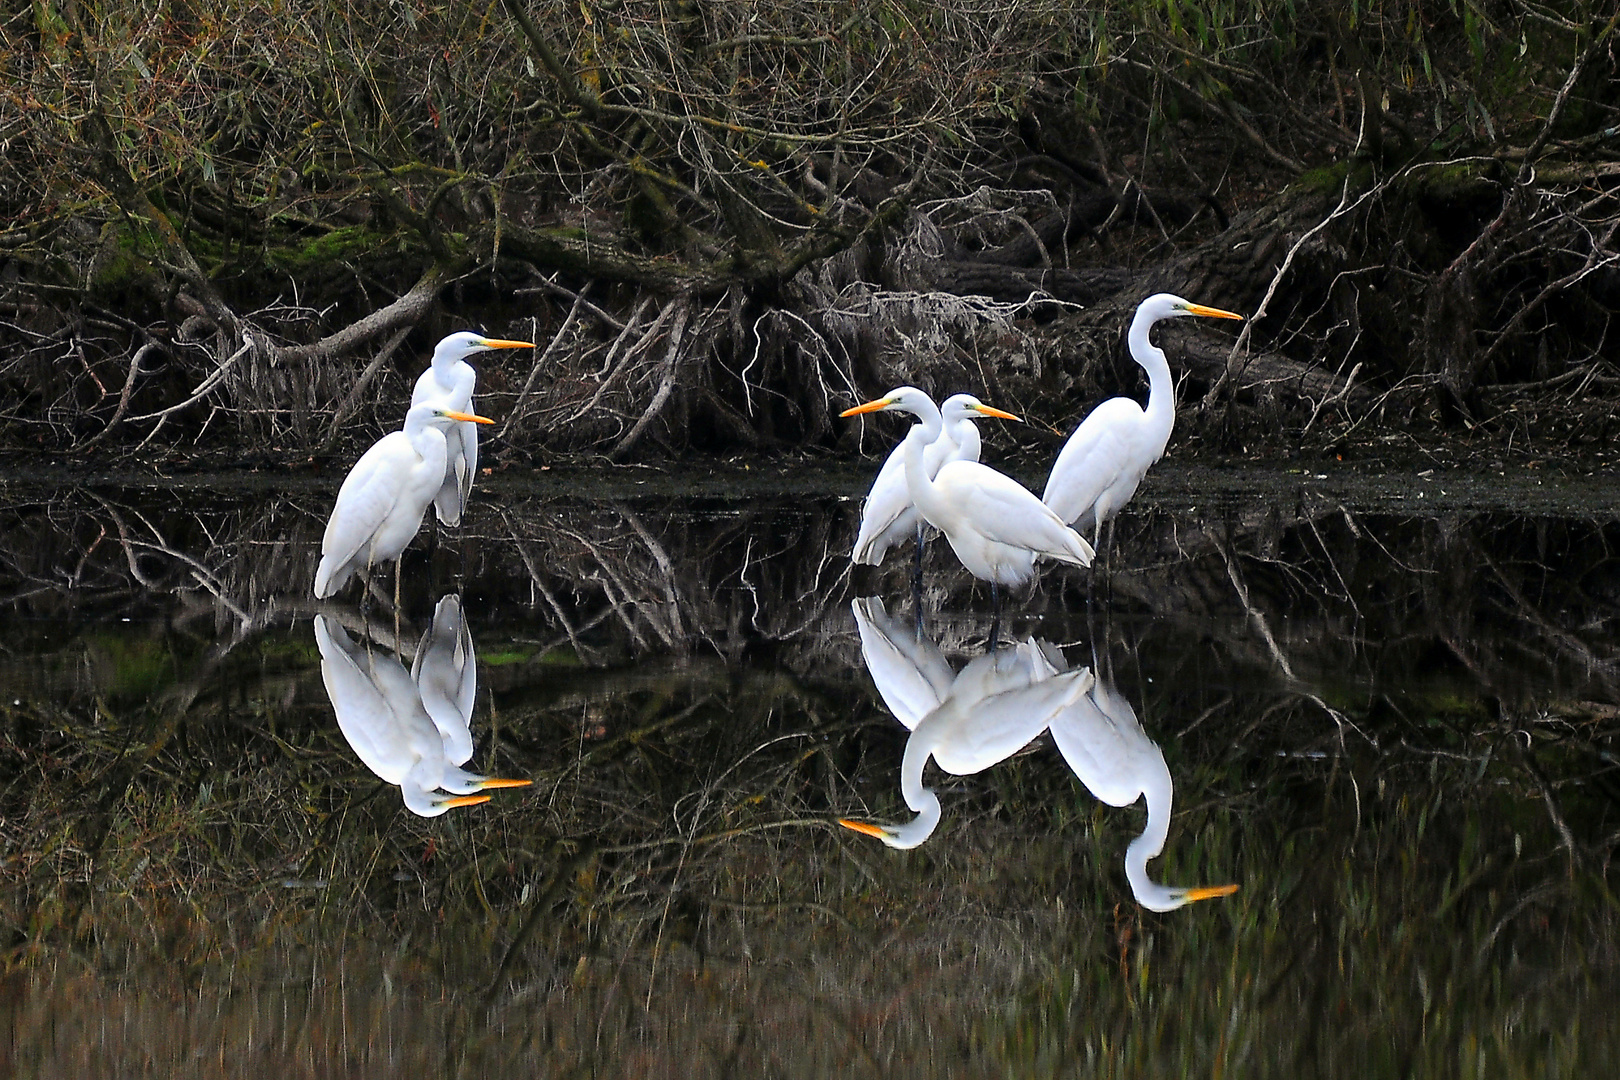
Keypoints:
pixel 1210 892
pixel 465 800
pixel 1213 312
pixel 862 827
pixel 498 782
pixel 870 406
pixel 991 411
pixel 471 418
pixel 502 343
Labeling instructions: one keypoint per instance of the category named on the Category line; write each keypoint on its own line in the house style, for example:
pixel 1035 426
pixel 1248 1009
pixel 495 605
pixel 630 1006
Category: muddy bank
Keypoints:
pixel 1419 482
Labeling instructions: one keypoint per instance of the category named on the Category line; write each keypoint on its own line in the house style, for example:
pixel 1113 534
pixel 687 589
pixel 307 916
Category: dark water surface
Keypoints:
pixel 1389 708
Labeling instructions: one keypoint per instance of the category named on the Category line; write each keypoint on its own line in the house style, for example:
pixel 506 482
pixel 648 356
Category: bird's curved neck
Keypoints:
pixel 918 483
pixel 1160 796
pixel 965 434
pixel 1161 409
pixel 919 748
pixel 444 363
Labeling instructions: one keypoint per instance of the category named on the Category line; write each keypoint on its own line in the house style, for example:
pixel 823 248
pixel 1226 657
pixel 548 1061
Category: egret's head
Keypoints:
pixel 902 399
pixel 430 804
pixel 465 343
pixel 1170 306
pixel 1165 898
pixel 900 837
pixel 968 407
pixel 438 412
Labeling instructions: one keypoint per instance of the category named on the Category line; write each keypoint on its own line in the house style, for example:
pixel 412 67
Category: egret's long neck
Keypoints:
pixel 918 483
pixel 965 434
pixel 1160 794
pixel 1161 409
pixel 444 365
pixel 919 748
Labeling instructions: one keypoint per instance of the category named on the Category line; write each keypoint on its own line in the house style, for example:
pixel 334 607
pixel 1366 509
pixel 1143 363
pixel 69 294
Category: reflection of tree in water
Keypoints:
pixel 680 686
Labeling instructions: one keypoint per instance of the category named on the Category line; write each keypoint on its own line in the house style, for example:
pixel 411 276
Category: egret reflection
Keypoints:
pixel 993 708
pixel 446 675
pixel 999 703
pixel 911 673
pixel 385 714
pixel 1104 743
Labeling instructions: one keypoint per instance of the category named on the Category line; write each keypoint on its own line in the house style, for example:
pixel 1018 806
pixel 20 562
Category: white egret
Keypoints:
pixel 380 505
pixel 996 526
pixel 1103 742
pixel 889 516
pixel 911 674
pixel 1105 459
pixel 450 380
pixel 380 713
pixel 446 675
pixel 997 705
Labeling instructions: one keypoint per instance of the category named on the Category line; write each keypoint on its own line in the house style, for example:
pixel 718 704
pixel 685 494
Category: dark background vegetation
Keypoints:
pixel 235 229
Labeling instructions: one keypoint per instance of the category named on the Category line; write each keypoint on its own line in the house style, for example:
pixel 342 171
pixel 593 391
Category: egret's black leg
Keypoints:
pixel 365 597
pixel 399 562
pixel 1108 559
pixel 916 583
pixel 1097 556
pixel 995 615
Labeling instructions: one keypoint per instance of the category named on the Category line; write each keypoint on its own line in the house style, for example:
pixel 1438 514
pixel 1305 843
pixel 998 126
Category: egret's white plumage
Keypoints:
pixel 1105 459
pixel 911 674
pixel 997 705
pixel 996 526
pixel 446 675
pixel 380 505
pixel 888 516
pixel 380 713
pixel 1104 743
pixel 450 380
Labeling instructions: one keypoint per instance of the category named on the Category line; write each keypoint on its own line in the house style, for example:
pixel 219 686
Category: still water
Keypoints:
pixel 1386 714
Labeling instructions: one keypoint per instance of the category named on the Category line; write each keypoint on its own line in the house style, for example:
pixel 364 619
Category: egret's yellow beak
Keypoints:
pixel 1213 312
pixel 997 413
pixel 465 800
pixel 471 418
pixel 870 406
pixel 862 827
pixel 501 343
pixel 494 782
pixel 1210 892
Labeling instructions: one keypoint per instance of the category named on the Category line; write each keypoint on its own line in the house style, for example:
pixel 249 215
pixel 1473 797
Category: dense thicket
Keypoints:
pixel 240 225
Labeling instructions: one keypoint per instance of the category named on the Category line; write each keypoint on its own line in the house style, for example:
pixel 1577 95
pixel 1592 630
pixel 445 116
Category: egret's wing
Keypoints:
pixel 1103 742
pixel 1093 460
pixel 363 712
pixel 446 675
pixel 911 674
pixel 881 513
pixel 460 467
pixel 1005 511
pixel 364 502
pixel 996 727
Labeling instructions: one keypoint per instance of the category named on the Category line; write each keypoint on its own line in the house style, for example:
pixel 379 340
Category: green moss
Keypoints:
pixel 322 251
pixel 1331 178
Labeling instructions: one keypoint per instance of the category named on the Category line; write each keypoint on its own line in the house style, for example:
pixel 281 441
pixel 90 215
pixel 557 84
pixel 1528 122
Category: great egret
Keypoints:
pixel 997 705
pixel 1105 459
pixel 889 516
pixel 911 674
pixel 996 526
pixel 380 713
pixel 450 380
pixel 382 500
pixel 1103 742
pixel 446 675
